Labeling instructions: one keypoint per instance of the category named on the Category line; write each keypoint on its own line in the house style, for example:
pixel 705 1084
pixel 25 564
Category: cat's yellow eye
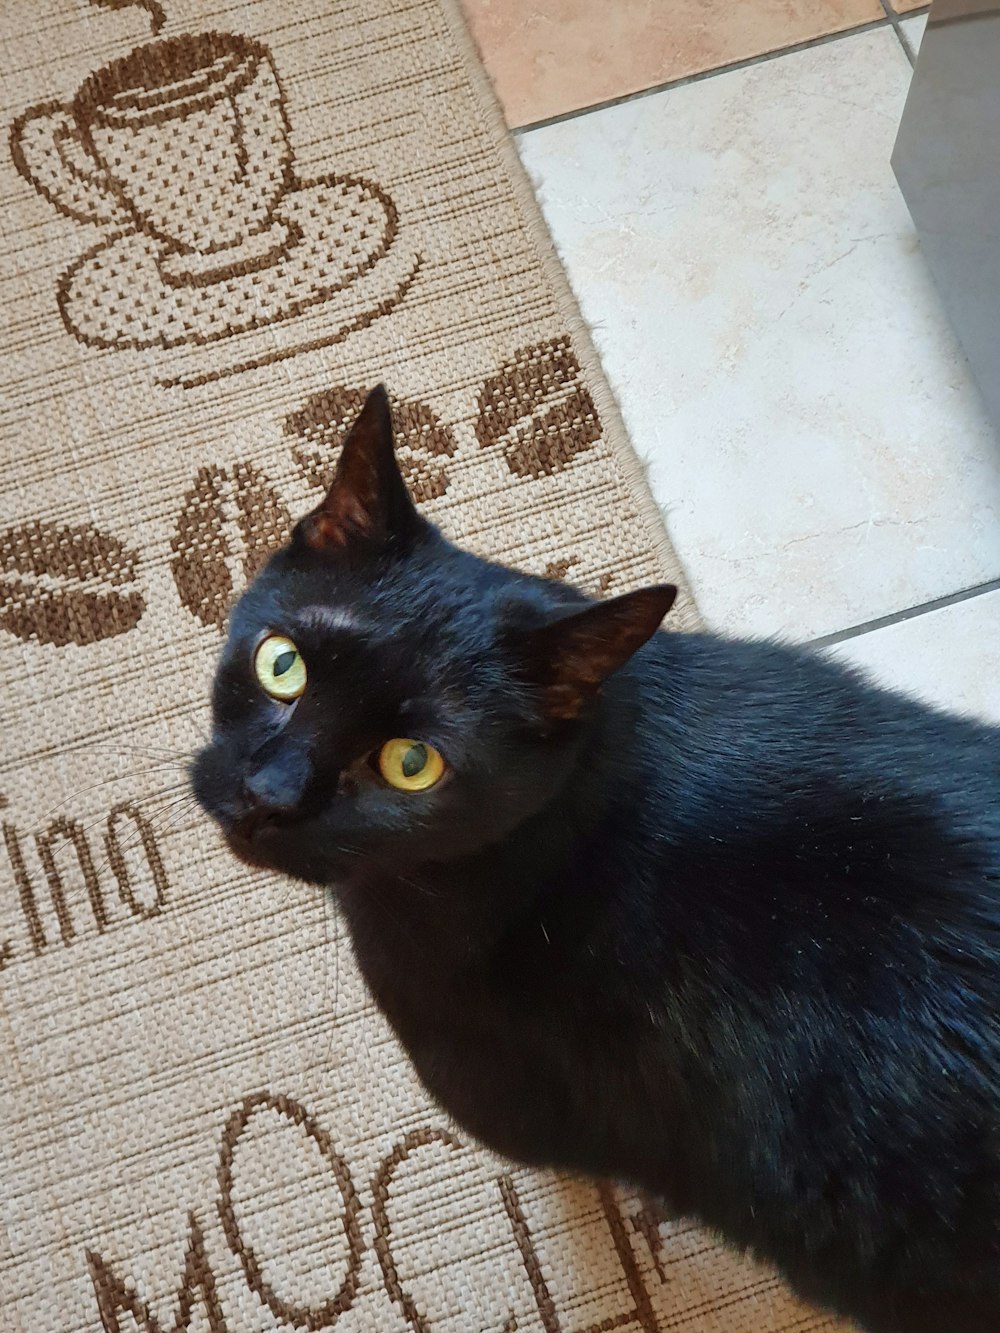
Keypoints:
pixel 410 765
pixel 279 668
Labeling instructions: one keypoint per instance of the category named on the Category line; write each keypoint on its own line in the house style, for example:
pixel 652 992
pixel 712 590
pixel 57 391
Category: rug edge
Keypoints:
pixel 685 614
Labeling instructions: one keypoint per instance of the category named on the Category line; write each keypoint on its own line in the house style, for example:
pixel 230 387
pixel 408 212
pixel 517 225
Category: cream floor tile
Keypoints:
pixel 907 6
pixel 913 31
pixel 949 657
pixel 547 57
pixel 781 357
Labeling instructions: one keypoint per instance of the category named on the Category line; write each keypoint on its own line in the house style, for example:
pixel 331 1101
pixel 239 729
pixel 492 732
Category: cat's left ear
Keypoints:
pixel 367 500
pixel 570 658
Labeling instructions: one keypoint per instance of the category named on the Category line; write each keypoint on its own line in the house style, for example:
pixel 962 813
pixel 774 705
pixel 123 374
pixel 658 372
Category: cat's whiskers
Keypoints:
pixel 420 888
pixel 104 782
pixel 125 749
pixel 181 804
pixel 159 796
pixel 394 916
pixel 331 911
pixel 186 801
pixel 393 872
pixel 330 907
pixel 353 852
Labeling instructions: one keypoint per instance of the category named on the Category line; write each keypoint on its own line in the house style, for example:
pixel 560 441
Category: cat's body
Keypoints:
pixel 776 1009
pixel 727 928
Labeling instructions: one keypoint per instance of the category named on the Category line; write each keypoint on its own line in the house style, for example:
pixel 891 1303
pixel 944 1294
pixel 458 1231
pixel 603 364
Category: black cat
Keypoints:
pixel 715 918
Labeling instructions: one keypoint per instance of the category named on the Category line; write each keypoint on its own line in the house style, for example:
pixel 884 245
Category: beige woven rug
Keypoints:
pixel 209 250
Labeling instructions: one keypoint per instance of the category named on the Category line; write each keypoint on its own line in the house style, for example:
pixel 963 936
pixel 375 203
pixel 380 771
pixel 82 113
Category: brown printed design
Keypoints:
pixel 293 1128
pixel 560 569
pixel 182 148
pixel 153 8
pixel 65 853
pixel 230 522
pixel 423 440
pixel 253 1264
pixel 539 410
pixel 648 1223
pixel 642 1312
pixel 197 1287
pixel 63 585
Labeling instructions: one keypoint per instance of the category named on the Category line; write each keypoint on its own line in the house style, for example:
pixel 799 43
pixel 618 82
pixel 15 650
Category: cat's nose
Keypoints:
pixel 274 790
pixel 271 792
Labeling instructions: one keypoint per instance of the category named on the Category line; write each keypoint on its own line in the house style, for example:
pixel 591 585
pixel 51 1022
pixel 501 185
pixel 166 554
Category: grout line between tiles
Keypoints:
pixel 897 617
pixel 897 28
pixel 765 57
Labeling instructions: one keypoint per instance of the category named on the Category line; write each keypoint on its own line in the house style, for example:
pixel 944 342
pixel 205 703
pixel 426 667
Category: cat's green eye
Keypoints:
pixel 410 765
pixel 279 668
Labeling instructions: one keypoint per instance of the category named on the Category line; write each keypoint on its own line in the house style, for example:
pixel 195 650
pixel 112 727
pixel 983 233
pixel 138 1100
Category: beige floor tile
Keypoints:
pixel 950 657
pixel 547 57
pixel 781 356
pixel 907 6
pixel 913 32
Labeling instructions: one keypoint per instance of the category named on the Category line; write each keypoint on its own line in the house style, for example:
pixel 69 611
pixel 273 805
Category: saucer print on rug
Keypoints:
pixel 182 151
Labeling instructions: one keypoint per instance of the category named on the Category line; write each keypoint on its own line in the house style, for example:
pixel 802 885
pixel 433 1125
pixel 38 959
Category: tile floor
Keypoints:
pixel 755 286
pixel 548 57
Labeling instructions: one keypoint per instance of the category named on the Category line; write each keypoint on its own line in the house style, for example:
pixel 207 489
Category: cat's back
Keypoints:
pixel 778 724
pixel 772 781
pixel 826 858
pixel 815 851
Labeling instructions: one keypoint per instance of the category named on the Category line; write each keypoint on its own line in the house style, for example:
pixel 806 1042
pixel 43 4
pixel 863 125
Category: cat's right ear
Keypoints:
pixel 367 501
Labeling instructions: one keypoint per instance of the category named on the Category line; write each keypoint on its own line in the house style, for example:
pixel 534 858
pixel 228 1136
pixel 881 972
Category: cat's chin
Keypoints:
pixel 249 850
pixel 269 850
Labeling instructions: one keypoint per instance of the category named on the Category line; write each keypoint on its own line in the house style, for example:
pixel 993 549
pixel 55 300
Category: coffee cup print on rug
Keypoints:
pixel 181 152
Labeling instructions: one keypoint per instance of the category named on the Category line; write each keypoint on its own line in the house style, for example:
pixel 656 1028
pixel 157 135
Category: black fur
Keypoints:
pixel 730 933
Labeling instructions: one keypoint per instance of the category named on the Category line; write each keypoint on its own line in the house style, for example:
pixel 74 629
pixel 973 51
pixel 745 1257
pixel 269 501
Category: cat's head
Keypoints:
pixel 384 694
